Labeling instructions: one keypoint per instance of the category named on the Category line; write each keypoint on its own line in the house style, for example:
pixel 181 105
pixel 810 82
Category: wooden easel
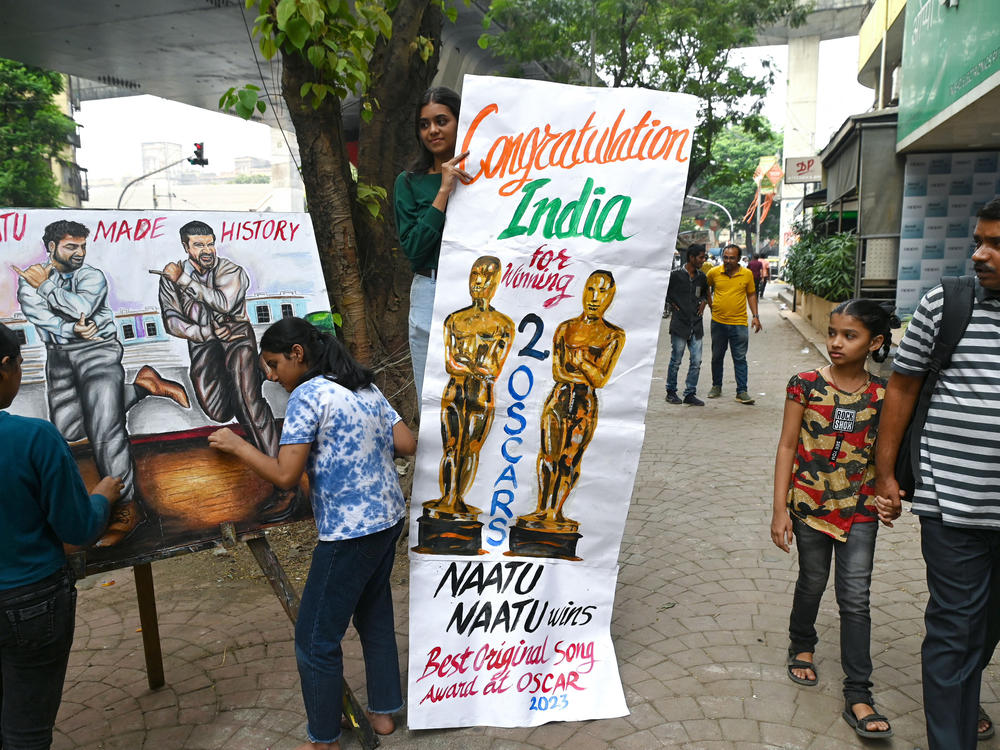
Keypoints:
pixel 283 589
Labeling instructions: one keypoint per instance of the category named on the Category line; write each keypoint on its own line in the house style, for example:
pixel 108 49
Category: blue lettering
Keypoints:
pixel 497 525
pixel 510 383
pixel 503 506
pixel 513 413
pixel 507 475
pixel 513 459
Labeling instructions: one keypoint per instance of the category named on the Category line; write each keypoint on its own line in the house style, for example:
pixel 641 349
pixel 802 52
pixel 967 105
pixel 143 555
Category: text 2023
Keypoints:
pixel 550 703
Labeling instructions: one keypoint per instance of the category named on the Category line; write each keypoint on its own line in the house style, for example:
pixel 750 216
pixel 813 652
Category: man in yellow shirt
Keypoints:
pixel 732 290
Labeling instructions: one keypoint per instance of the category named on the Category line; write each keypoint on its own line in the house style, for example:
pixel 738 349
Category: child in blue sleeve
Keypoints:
pixel 43 505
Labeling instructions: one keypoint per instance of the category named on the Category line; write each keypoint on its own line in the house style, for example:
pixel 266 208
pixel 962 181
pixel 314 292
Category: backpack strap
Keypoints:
pixel 956 312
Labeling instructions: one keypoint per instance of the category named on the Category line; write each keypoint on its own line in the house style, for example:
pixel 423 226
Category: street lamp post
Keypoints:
pixel 198 160
pixel 713 203
pixel 143 177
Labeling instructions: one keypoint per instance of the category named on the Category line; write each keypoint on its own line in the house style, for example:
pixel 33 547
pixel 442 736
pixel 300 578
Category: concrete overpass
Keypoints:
pixel 191 51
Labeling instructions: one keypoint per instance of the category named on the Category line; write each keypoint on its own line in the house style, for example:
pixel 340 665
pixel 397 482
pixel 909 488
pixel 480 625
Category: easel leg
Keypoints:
pixel 150 625
pixel 275 574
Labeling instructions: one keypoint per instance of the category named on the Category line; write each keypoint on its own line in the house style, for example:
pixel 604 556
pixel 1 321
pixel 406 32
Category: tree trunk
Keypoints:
pixel 386 145
pixel 330 194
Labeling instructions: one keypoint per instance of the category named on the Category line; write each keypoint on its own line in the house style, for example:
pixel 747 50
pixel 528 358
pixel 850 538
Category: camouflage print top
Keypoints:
pixel 834 471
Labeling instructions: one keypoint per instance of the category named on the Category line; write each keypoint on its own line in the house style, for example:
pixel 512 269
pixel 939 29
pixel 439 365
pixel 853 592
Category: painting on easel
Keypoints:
pixel 139 335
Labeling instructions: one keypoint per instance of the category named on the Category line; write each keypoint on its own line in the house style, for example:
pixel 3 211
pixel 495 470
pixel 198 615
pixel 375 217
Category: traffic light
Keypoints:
pixel 199 155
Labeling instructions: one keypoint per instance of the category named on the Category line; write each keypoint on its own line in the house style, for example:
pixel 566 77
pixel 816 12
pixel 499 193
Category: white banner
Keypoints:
pixel 551 282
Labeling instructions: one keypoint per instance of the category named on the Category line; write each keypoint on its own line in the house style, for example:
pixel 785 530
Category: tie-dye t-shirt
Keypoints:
pixel 353 483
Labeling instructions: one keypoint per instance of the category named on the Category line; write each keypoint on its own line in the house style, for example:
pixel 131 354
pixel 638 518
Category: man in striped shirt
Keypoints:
pixel 958 492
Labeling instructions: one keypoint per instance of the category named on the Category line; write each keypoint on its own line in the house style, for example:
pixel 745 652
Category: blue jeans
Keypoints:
pixel 347 577
pixel 737 338
pixel 421 312
pixel 851 582
pixel 36 634
pixel 961 563
pixel 677 346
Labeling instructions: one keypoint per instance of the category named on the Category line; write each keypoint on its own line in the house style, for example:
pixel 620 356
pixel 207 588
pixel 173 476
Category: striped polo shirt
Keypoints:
pixel 960 444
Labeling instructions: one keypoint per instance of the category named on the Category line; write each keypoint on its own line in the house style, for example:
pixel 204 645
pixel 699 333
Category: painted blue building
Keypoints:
pixel 264 309
pixel 141 326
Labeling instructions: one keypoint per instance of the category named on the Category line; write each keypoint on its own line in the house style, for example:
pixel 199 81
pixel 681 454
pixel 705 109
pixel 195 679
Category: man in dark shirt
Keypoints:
pixel 687 296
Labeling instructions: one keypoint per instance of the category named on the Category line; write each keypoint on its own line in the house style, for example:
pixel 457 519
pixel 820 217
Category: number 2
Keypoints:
pixel 530 350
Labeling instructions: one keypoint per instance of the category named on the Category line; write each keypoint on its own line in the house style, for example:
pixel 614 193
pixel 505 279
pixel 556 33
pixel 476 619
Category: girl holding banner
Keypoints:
pixel 421 200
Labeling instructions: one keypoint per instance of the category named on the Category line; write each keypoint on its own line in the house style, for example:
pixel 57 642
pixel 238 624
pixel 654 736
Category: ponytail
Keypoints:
pixel 324 355
pixel 875 317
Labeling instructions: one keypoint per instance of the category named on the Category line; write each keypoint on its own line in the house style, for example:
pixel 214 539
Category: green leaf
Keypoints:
pixel 261 106
pixel 483 41
pixel 248 101
pixel 298 32
pixel 316 55
pixel 304 89
pixel 286 9
pixel 452 13
pixel 312 11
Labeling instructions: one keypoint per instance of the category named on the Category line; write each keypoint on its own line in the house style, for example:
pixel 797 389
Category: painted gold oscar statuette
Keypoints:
pixel 585 351
pixel 477 340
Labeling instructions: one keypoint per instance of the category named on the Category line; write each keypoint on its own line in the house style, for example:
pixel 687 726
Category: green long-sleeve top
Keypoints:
pixel 419 224
pixel 44 502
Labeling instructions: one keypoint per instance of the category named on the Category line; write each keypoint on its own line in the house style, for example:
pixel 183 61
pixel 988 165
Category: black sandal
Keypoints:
pixel 860 726
pixel 990 730
pixel 799 664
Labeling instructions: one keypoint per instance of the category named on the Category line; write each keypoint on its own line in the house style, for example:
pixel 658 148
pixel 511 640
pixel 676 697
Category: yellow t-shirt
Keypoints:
pixel 729 295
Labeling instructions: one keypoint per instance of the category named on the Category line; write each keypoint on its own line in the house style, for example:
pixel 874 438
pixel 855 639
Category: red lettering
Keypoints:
pixel 451 664
pixel 268 229
pixel 432 664
pixel 141 229
pixel 279 232
pixel 7 233
pixel 227 232
pixel 108 232
pixel 124 230
pixel 571 679
pixel 157 230
pixel 295 228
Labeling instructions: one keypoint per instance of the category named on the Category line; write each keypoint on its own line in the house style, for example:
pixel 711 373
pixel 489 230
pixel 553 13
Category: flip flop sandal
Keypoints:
pixel 860 726
pixel 990 730
pixel 799 664
pixel 345 723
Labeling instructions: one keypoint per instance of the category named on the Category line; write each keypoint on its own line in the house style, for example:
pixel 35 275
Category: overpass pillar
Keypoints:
pixel 800 120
